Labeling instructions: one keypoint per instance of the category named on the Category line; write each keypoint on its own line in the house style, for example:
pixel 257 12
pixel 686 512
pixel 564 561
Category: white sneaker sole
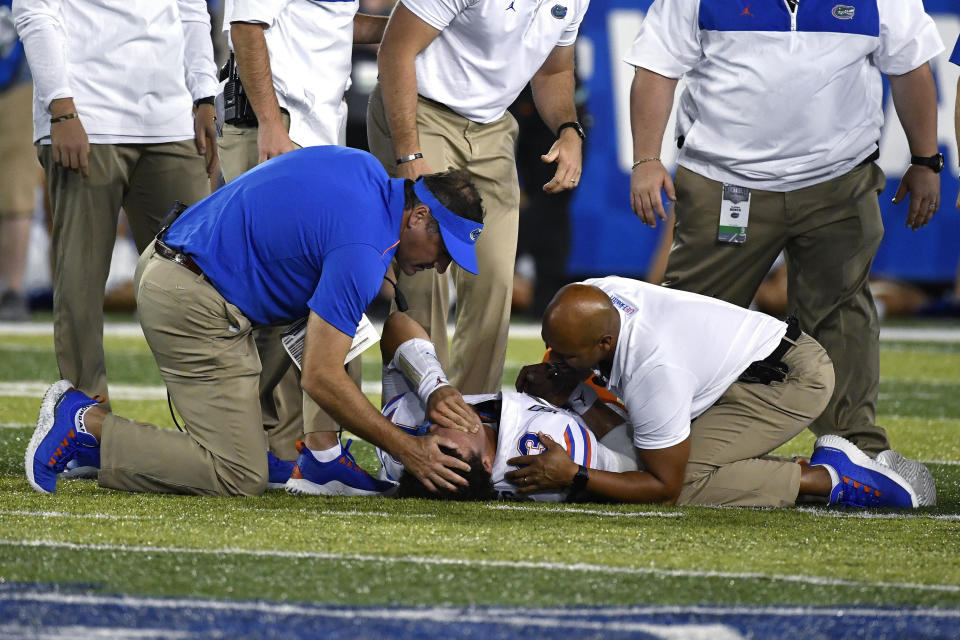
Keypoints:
pixel 861 459
pixel 915 473
pixel 303 487
pixel 44 424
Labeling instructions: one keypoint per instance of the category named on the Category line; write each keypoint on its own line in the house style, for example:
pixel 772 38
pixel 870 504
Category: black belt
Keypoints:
pixel 174 255
pixel 772 368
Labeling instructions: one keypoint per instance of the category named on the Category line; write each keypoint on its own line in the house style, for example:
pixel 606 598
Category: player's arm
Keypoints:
pixel 368 29
pixel 406 344
pixel 915 99
pixel 956 129
pixel 326 381
pixel 406 35
pixel 553 87
pixel 253 65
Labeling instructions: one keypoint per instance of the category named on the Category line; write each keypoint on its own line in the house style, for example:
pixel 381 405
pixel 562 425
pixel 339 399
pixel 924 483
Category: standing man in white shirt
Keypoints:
pixel 448 71
pixel 778 126
pixel 710 389
pixel 293 59
pixel 123 117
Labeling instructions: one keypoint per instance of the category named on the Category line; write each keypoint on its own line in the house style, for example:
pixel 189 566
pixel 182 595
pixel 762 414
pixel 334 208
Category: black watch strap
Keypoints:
pixel 200 101
pixel 572 125
pixel 579 484
pixel 934 162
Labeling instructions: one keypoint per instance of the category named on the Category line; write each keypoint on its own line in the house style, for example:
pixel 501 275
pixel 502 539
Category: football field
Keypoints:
pixel 90 563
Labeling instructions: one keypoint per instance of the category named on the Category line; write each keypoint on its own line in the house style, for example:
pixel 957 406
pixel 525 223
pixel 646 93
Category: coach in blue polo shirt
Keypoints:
pixel 955 59
pixel 310 233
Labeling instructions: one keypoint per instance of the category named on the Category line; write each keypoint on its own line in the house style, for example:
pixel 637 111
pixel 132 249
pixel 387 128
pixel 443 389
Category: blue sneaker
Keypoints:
pixel 57 438
pixel 859 481
pixel 84 466
pixel 279 471
pixel 341 477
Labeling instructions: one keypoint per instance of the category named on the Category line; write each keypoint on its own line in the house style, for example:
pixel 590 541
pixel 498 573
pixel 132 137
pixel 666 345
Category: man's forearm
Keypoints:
pixel 630 486
pixel 368 29
pixel 956 121
pixel 915 99
pixel 553 95
pixel 253 65
pixel 651 99
pixel 398 84
pixel 339 396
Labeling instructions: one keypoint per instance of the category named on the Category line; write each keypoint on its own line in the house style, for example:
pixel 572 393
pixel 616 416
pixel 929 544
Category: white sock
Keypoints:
pixel 328 455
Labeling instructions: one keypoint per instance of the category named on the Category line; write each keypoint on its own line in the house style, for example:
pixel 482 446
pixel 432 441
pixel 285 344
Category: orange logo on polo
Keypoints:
pixel 746 12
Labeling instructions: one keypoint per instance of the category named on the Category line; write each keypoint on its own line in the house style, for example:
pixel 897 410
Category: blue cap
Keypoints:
pixel 459 234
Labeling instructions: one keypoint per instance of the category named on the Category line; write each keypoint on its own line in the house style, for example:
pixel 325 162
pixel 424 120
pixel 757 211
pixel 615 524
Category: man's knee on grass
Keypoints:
pixel 479 487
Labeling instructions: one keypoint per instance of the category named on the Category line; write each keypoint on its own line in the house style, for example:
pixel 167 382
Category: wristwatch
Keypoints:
pixel 933 162
pixel 572 125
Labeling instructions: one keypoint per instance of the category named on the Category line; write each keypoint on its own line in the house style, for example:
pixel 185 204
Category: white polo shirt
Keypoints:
pixel 133 68
pixel 677 353
pixel 776 100
pixel 488 50
pixel 310 43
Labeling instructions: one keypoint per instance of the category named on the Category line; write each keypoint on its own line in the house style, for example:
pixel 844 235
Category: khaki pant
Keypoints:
pixel 486 151
pixel 21 174
pixel 205 350
pixel 144 179
pixel 830 232
pixel 287 412
pixel 749 421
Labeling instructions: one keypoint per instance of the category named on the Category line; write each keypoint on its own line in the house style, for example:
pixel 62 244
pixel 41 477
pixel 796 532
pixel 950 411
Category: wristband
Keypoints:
pixel 409 158
pixel 641 161
pixel 417 361
pixel 582 398
pixel 572 125
pixel 66 116
pixel 200 101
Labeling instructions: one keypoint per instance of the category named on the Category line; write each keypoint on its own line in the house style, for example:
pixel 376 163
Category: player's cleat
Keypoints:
pixel 915 473
pixel 859 481
pixel 279 471
pixel 58 436
pixel 340 477
pixel 84 466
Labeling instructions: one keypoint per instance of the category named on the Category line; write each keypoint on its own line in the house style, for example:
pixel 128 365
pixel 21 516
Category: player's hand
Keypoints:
pixel 273 140
pixel 548 380
pixel 646 181
pixel 68 138
pixel 567 152
pixel 923 185
pixel 422 457
pixel 447 408
pixel 552 469
pixel 205 137
pixel 413 169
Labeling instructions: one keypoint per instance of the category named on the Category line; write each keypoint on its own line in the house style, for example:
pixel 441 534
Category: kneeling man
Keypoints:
pixel 710 389
pixel 310 233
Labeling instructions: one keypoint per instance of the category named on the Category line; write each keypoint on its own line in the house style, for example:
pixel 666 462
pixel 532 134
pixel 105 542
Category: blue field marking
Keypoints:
pixel 33 610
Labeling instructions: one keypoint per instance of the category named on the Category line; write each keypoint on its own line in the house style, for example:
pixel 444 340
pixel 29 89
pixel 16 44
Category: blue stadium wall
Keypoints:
pixel 609 239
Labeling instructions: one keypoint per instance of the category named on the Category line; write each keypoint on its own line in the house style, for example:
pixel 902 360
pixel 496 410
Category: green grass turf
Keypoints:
pixel 371 551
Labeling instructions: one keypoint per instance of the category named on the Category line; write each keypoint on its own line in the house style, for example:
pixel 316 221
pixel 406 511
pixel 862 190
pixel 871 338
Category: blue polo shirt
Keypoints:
pixel 313 229
pixel 955 56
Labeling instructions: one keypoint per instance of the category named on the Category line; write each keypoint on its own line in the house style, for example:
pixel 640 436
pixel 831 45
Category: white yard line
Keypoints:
pixel 61 514
pixel 121 391
pixel 866 515
pixel 591 512
pixel 524 330
pixel 503 564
